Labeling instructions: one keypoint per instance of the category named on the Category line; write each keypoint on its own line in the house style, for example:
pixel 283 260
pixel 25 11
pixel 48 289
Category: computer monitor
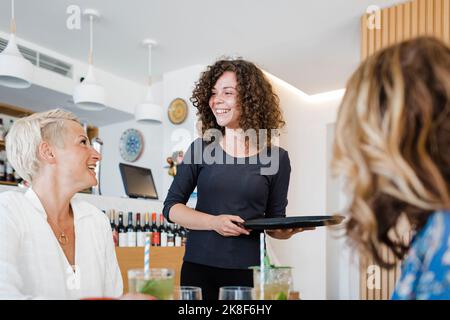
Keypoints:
pixel 138 182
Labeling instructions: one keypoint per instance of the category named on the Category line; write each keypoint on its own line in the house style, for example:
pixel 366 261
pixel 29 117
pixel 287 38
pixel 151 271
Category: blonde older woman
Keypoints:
pixel 393 147
pixel 51 245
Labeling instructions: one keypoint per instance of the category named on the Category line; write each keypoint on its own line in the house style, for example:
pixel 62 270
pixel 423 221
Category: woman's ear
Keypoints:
pixel 46 152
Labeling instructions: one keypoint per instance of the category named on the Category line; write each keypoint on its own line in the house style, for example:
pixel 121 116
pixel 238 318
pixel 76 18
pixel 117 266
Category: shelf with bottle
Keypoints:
pixel 131 235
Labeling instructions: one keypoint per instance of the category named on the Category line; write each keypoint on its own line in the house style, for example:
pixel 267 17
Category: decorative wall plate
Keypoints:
pixel 178 110
pixel 131 145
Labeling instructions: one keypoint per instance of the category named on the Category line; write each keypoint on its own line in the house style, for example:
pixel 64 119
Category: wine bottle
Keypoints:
pixel 184 233
pixel 147 229
pixel 131 231
pixel 123 241
pixel 140 234
pixel 177 236
pixel 115 234
pixel 156 239
pixel 170 235
pixel 162 231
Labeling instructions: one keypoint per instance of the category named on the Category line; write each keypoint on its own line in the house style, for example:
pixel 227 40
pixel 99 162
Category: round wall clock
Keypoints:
pixel 131 145
pixel 178 110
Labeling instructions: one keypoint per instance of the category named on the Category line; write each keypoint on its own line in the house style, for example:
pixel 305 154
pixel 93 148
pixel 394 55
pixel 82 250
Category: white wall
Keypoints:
pixel 110 179
pixel 160 140
pixel 179 84
pixel 305 138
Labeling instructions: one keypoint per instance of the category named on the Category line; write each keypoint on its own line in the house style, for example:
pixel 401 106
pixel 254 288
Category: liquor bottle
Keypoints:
pixel 170 235
pixel 162 231
pixel 147 229
pixel 177 236
pixel 123 241
pixel 131 231
pixel 140 235
pixel 9 172
pixel 156 239
pixel 2 130
pixel 184 233
pixel 2 171
pixel 112 220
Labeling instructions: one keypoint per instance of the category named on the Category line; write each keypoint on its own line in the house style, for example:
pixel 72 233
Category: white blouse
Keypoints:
pixel 33 264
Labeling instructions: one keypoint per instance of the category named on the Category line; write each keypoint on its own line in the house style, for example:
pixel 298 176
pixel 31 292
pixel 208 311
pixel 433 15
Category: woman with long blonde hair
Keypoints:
pixel 393 148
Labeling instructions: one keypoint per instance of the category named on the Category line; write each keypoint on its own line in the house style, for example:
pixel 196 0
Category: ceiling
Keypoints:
pixel 313 45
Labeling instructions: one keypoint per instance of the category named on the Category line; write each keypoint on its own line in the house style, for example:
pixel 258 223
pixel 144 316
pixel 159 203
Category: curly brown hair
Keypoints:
pixel 393 143
pixel 260 106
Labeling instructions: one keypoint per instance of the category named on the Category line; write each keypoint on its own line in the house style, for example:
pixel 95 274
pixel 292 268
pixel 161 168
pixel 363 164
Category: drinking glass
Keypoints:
pixel 236 293
pixel 277 283
pixel 157 283
pixel 187 293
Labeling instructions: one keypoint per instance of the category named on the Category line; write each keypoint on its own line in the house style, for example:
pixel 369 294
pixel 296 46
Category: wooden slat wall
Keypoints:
pixel 406 21
pixel 398 23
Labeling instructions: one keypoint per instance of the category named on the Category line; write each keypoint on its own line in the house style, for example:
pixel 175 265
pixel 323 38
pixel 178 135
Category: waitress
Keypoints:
pixel 238 177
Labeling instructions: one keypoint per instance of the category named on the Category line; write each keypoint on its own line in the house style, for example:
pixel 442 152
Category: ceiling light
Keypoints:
pixel 89 94
pixel 149 111
pixel 15 71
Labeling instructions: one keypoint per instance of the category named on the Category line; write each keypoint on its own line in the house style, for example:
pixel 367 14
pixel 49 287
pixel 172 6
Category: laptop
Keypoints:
pixel 138 182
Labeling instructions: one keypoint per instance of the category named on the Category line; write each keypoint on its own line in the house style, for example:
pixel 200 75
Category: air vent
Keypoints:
pixel 42 60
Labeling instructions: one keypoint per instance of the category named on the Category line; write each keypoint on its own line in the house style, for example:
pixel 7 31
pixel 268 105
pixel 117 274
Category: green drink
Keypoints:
pixel 277 282
pixel 158 282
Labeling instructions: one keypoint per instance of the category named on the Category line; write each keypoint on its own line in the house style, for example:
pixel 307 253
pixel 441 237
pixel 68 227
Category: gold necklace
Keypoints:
pixel 62 238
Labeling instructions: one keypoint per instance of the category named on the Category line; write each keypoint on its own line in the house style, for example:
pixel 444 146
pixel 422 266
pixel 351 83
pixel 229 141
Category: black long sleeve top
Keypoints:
pixel 251 187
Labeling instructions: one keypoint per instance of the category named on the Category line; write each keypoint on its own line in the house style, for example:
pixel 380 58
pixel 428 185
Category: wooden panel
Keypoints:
pixel 378 43
pixel 446 21
pixel 371 41
pixel 14 111
pixel 392 25
pixel 363 278
pixel 130 258
pixel 422 17
pixel 399 23
pixel 385 28
pixel 438 18
pixel 430 17
pixel 407 21
pixel 364 30
pixel 414 19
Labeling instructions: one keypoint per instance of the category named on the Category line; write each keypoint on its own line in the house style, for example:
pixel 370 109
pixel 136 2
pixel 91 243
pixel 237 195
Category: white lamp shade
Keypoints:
pixel 15 71
pixel 90 95
pixel 148 111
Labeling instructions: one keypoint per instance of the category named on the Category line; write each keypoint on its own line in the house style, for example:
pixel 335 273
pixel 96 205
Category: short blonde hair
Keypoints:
pixel 25 135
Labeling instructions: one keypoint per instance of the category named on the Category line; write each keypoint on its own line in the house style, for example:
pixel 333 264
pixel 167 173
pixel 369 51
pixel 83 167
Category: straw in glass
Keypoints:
pixel 147 256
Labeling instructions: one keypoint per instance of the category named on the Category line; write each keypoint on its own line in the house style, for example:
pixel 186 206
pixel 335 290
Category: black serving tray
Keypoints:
pixel 292 222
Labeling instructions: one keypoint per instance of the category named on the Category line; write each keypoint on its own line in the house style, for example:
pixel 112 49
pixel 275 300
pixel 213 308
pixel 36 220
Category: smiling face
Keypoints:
pixel 77 160
pixel 224 101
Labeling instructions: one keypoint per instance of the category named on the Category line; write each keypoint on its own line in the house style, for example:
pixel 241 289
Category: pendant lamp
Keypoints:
pixel 89 94
pixel 15 71
pixel 148 111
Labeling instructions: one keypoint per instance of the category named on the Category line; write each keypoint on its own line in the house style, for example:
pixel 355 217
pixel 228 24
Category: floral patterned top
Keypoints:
pixel 426 270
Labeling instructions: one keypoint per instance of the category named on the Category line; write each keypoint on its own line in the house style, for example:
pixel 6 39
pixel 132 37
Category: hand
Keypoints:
pixel 137 296
pixel 284 234
pixel 228 225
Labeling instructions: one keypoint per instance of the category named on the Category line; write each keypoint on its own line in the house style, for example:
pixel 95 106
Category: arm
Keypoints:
pixel 226 225
pixel 175 209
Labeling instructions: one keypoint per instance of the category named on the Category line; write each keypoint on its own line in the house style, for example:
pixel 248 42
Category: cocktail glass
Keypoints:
pixel 277 282
pixel 159 282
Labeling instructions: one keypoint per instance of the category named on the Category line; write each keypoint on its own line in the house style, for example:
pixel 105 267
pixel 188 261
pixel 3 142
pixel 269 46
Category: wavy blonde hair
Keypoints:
pixel 392 143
